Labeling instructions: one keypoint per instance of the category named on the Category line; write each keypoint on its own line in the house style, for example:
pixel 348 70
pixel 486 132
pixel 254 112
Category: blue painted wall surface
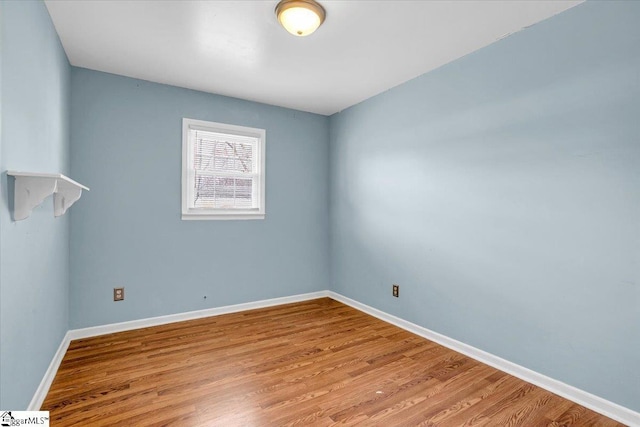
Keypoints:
pixel 126 146
pixel 502 192
pixel 34 267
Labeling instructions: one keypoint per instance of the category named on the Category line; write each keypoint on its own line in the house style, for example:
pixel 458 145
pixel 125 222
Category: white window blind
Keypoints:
pixel 223 167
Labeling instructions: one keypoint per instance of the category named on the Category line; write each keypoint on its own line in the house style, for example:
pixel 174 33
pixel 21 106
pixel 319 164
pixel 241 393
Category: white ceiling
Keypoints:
pixel 237 48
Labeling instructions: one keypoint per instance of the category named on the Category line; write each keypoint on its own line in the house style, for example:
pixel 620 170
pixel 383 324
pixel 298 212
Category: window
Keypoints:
pixel 222 171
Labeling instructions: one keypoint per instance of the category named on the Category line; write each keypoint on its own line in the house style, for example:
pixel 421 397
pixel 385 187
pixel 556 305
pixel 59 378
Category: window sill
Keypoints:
pixel 215 217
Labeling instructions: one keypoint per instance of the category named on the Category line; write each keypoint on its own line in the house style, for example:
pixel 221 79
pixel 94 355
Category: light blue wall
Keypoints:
pixel 126 146
pixel 502 192
pixel 34 267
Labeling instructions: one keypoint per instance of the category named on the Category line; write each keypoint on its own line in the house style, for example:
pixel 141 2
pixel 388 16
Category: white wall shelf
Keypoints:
pixel 32 188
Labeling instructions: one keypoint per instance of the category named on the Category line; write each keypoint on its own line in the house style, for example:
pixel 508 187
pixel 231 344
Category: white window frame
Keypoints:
pixel 188 172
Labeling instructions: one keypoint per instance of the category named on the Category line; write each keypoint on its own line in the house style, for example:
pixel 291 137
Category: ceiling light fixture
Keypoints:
pixel 300 17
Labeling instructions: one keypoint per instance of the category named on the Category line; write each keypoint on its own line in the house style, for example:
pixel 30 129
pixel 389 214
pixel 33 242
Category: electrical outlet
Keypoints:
pixel 118 294
pixel 396 291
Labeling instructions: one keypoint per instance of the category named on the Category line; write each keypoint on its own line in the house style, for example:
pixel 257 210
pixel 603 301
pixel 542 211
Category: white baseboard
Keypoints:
pixel 74 334
pixel 49 375
pixel 190 315
pixel 598 404
pixel 581 397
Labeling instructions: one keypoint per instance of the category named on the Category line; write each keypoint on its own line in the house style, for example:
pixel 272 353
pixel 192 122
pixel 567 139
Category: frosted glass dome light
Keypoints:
pixel 300 17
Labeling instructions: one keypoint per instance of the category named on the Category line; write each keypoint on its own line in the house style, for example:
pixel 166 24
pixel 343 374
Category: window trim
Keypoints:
pixel 189 213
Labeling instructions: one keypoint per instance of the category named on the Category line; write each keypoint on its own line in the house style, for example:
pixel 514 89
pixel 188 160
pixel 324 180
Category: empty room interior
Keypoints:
pixel 320 213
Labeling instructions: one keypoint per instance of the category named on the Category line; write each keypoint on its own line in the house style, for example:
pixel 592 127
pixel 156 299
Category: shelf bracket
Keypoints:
pixel 32 188
pixel 65 195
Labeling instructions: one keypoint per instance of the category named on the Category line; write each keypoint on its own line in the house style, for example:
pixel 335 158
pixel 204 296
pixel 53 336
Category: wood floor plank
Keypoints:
pixel 318 363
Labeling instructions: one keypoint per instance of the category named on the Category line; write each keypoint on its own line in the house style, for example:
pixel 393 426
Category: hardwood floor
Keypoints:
pixel 314 363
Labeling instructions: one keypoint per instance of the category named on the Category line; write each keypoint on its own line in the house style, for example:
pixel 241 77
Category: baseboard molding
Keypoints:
pixel 581 397
pixel 74 334
pixel 598 404
pixel 189 315
pixel 49 375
